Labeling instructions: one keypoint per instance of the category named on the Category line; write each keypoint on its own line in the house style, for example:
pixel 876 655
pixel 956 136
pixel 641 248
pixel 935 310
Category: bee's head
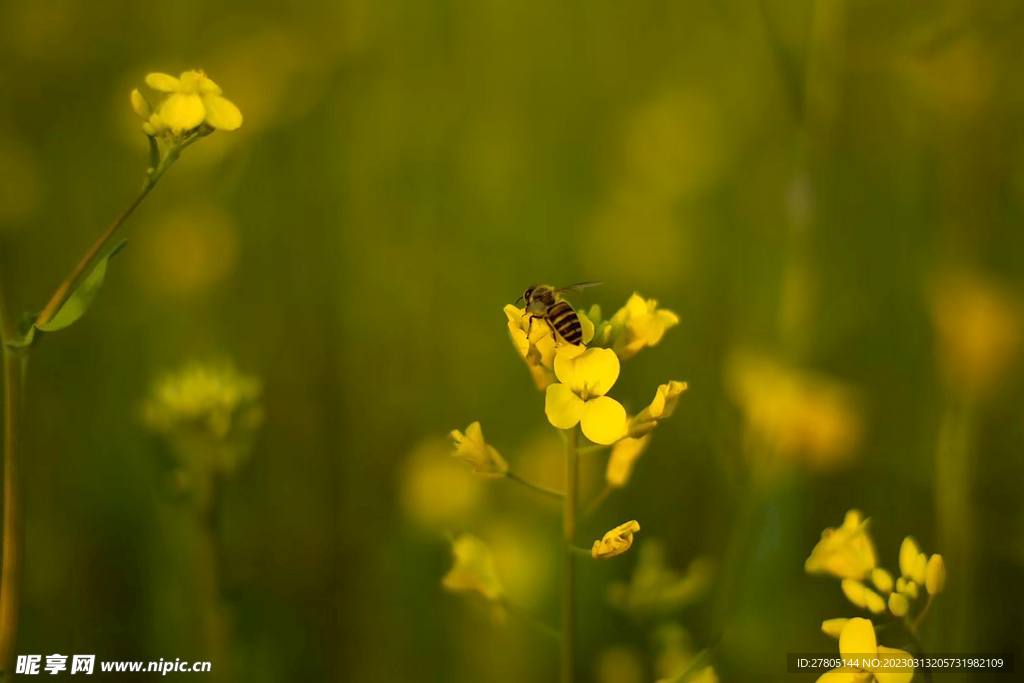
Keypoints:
pixel 527 296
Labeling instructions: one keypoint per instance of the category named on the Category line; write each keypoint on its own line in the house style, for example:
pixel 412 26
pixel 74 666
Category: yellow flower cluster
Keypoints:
pixel 848 553
pixel 192 101
pixel 858 642
pixel 638 324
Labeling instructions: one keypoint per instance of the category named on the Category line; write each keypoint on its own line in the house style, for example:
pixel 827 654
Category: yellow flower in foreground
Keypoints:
pixel 616 541
pixel 586 376
pixel 193 99
pixel 664 404
pixel 624 454
pixel 862 596
pixel 471 449
pixel 846 552
pixel 473 571
pixel 638 324
pixel 858 641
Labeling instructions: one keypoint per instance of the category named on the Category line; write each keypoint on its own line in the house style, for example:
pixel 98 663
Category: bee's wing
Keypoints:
pixel 578 286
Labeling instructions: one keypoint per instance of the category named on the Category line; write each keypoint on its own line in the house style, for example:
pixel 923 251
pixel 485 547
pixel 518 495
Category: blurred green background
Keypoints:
pixel 836 186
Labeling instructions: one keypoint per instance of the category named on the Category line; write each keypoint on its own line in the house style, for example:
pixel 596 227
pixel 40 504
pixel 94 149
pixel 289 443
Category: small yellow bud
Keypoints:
pixel 882 579
pixel 935 580
pixel 908 556
pixel 907 588
pixel 140 106
pixel 898 604
pixel 833 627
pixel 471 449
pixel 920 568
pixel 616 541
pixel 862 596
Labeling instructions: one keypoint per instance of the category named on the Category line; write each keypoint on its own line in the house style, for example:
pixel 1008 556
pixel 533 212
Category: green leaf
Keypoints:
pixel 82 296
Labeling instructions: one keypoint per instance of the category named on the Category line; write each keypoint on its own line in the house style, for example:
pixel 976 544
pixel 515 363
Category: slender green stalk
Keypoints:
pixel 531 621
pixel 957 519
pixel 533 487
pixel 10 575
pixel 598 500
pixel 572 466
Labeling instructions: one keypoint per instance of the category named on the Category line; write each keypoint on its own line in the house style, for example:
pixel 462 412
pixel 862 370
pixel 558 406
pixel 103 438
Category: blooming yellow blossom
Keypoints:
pixel 624 454
pixel 666 397
pixel 655 587
pixel 857 641
pixel 847 552
pixel 473 570
pixel 636 325
pixel 585 377
pixel 471 449
pixel 833 627
pixel 862 596
pixel 616 541
pixel 935 575
pixel 193 99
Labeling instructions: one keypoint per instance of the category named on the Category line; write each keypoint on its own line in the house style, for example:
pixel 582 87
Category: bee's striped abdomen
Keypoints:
pixel 565 321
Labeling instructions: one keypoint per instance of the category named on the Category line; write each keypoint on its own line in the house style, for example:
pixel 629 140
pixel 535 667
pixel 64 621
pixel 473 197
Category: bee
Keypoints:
pixel 545 302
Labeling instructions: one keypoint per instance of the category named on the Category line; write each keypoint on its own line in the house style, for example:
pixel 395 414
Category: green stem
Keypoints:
pixel 10 574
pixel 598 500
pixel 531 621
pixel 533 487
pixel 569 559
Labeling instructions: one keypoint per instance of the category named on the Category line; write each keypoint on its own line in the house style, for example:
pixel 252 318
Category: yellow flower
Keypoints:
pixel 215 399
pixel 858 641
pixel 664 404
pixel 862 596
pixel 833 627
pixel 846 552
pixel 537 350
pixel 473 571
pixel 193 99
pixel 656 588
pixel 616 541
pixel 586 376
pixel 624 454
pixel 471 449
pixel 935 575
pixel 913 563
pixel 898 604
pixel 636 325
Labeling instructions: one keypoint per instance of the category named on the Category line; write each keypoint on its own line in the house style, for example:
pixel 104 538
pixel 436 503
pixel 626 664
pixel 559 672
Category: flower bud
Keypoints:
pixel 935 579
pixel 616 541
pixel 898 604
pixel 140 106
pixel 862 596
pixel 882 579
pixel 908 556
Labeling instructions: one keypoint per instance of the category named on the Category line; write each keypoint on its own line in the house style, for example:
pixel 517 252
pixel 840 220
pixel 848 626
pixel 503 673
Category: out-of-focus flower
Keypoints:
pixel 980 329
pixel 882 579
pixel 471 449
pixel 619 664
pixel 638 324
pixel 857 641
pixel 525 566
pixel 803 416
pixel 213 399
pixel 846 552
pixel 664 404
pixel 935 575
pixel 192 100
pixel 862 596
pixel 674 650
pixel 473 571
pixel 616 541
pixel 624 454
pixel 913 563
pixel 656 588
pixel 833 627
pixel 585 377
pixel 898 604
pixel 435 491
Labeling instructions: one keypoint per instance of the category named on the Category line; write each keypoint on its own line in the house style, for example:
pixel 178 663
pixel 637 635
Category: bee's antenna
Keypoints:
pixel 519 299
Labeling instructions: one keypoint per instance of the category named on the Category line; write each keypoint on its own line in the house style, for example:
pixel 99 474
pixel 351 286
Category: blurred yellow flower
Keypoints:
pixel 536 349
pixel 471 449
pixel 586 376
pixel 616 541
pixel 435 491
pixel 193 99
pixel 980 329
pixel 847 552
pixel 473 571
pixel 803 416
pixel 636 325
pixel 862 596
pixel 664 404
pixel 935 575
pixel 624 454
pixel 913 563
pixel 620 664
pixel 833 627
pixel 656 588
pixel 857 641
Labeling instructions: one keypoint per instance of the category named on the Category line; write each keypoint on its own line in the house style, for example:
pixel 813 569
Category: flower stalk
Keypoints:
pixel 13 532
pixel 569 563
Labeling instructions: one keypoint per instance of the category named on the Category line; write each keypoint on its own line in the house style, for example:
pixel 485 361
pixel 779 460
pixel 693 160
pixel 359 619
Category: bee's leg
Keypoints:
pixel 529 326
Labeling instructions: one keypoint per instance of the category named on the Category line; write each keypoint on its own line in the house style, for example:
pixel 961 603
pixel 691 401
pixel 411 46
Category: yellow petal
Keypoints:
pixel 858 638
pixel 182 112
pixel 163 82
pixel 587 327
pixel 140 106
pixel 562 406
pixel 620 464
pixel 590 373
pixel 833 627
pixel 904 675
pixel 221 113
pixel 603 420
pixel 616 541
pixel 206 86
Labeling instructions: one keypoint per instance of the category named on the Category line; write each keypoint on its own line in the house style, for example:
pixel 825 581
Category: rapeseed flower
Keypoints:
pixel 585 377
pixel 638 324
pixel 666 397
pixel 193 99
pixel 654 587
pixel 471 449
pixel 615 542
pixel 846 552
pixel 857 640
pixel 473 571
